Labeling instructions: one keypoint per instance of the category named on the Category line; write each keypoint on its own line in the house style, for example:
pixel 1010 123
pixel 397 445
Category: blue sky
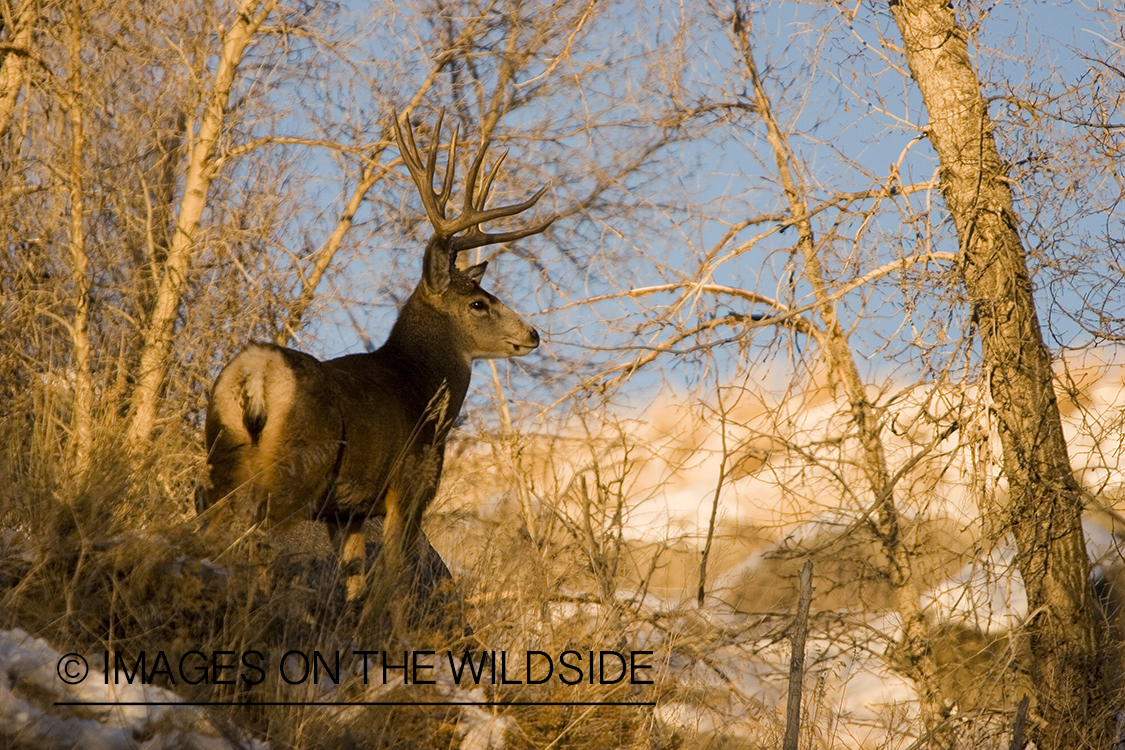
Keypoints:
pixel 850 114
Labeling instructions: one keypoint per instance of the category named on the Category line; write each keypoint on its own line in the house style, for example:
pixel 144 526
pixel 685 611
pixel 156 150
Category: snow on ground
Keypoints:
pixel 781 460
pixel 40 710
pixel 32 687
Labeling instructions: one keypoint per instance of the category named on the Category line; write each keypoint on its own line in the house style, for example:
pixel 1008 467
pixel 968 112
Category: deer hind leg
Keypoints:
pixel 350 543
pixel 355 561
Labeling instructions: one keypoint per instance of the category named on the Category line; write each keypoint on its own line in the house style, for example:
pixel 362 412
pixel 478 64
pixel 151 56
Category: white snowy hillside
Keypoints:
pixel 780 473
pixel 784 460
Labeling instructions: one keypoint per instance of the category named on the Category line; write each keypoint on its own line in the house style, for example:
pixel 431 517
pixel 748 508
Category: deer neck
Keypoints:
pixel 427 356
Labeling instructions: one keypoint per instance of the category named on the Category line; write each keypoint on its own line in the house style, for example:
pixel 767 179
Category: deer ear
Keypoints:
pixel 476 273
pixel 435 266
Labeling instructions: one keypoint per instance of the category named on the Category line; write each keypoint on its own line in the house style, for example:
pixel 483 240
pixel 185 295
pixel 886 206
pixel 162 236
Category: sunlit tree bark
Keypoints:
pixel 14 55
pixel 1073 664
pixel 173 279
pixel 82 421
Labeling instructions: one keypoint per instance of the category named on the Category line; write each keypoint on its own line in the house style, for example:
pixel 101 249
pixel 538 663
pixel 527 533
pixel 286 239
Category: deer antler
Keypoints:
pixel 473 212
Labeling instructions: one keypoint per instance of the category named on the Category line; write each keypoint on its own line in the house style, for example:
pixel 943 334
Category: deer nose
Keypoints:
pixel 534 338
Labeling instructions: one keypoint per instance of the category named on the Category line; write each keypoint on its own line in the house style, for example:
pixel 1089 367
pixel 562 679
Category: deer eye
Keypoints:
pixel 478 305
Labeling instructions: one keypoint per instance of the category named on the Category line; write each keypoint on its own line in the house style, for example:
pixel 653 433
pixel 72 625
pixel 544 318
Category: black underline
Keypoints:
pixel 358 703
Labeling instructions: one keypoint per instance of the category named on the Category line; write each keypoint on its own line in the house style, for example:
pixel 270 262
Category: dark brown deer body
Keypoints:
pixel 292 438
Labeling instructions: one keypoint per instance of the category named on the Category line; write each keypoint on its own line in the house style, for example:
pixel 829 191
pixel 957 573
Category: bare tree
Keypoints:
pixel 901 567
pixel 173 275
pixel 18 32
pixel 1074 665
pixel 83 420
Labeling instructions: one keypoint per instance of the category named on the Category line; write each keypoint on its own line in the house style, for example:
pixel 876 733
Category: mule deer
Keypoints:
pixel 292 438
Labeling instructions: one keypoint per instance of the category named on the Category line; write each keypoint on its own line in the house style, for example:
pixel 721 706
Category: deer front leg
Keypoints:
pixel 397 528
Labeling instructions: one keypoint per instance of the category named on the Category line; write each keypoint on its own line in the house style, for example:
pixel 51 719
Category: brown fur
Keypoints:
pixel 292 439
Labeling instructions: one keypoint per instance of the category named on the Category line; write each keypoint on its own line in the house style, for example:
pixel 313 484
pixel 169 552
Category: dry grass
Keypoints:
pixel 119 563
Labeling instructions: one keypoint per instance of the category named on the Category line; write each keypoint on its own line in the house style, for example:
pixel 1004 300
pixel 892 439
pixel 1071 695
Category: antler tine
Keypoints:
pixel 431 155
pixel 470 205
pixel 450 166
pixel 476 238
pixel 431 163
pixel 481 217
pixel 486 188
pixel 423 176
pixel 473 214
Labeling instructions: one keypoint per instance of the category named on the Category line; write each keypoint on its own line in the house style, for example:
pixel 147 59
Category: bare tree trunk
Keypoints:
pixel 1074 667
pixel 797 659
pixel 158 337
pixel 82 420
pixel 15 56
pixel 903 578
